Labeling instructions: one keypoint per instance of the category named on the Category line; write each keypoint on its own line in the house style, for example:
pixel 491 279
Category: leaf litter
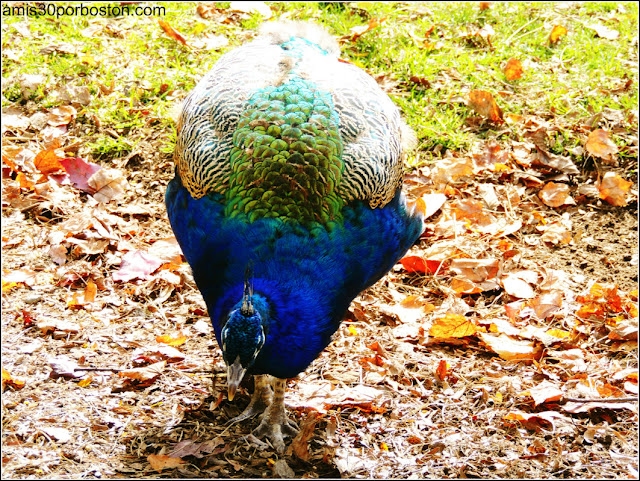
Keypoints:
pixel 504 344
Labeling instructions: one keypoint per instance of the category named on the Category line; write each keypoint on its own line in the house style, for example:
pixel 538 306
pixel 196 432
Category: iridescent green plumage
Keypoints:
pixel 286 157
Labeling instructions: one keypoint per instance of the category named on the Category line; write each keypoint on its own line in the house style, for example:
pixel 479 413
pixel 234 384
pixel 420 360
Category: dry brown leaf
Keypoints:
pixel 555 194
pixel 451 168
pixel 544 392
pixel 556 34
pixel 518 284
pixel 300 443
pixel 484 104
pixel 9 380
pixel 535 421
pixel 62 115
pixel 555 232
pixel 476 270
pixel 144 374
pixel 162 461
pixel 108 184
pixel 511 349
pixel 613 189
pixel 547 304
pixel 513 69
pixel 136 265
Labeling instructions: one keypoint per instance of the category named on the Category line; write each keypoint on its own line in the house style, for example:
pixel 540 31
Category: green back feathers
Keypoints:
pixel 286 160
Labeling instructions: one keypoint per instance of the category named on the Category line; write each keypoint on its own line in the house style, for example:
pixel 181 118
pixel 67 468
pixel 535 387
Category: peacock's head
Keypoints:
pixel 242 339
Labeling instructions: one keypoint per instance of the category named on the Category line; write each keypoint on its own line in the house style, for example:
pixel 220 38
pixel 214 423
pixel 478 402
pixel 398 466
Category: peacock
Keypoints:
pixel 287 203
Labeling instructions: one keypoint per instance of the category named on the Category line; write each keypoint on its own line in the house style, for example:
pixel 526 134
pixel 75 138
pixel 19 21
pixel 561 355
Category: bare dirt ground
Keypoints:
pixel 375 404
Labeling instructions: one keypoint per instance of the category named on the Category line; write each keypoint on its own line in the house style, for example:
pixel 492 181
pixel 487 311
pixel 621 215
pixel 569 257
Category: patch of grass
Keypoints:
pixel 435 53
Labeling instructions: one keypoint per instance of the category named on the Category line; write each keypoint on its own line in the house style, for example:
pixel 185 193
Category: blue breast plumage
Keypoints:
pixel 287 197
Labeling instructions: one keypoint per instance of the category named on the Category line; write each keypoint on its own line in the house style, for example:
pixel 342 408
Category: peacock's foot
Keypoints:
pixel 276 431
pixel 260 400
pixel 274 424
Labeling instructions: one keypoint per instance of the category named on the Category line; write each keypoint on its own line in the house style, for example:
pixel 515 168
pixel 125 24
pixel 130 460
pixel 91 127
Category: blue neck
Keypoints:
pixel 304 280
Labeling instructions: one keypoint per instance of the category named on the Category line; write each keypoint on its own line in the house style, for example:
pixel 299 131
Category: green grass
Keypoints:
pixel 565 83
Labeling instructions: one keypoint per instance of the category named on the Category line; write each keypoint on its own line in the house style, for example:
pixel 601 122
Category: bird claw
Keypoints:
pixel 276 432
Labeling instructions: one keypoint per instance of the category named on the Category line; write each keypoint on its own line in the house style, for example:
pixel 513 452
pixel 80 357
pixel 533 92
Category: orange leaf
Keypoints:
pixel 162 461
pixel 513 69
pixel 599 144
pixel 484 104
pixel 556 34
pixel 90 291
pixel 48 162
pixel 555 194
pixel 9 380
pixel 172 32
pixel 25 182
pixel 453 325
pixel 484 5
pixel 442 369
pixel 175 340
pixel 418 264
pixel 613 189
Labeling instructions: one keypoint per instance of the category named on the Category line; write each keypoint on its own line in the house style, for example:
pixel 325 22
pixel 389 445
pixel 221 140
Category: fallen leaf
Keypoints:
pixel 484 104
pixel 556 34
pixel 511 349
pixel 171 32
pixel 144 374
pixel 453 325
pixel 418 264
pixel 80 172
pixel 555 194
pixel 136 265
pixel 476 270
pixel 536 421
pixel 9 380
pixel 48 162
pixel 62 115
pixel 513 69
pixel 300 443
pixel 599 144
pixel 160 462
pixel 544 392
pixel 358 30
pixel 108 184
pixel 613 189
pixel 176 339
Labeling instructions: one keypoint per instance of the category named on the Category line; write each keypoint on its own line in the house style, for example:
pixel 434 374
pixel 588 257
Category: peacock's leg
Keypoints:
pixel 275 424
pixel 260 399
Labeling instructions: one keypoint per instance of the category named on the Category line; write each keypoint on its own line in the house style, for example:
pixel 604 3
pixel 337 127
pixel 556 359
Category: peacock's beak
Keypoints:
pixel 235 373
